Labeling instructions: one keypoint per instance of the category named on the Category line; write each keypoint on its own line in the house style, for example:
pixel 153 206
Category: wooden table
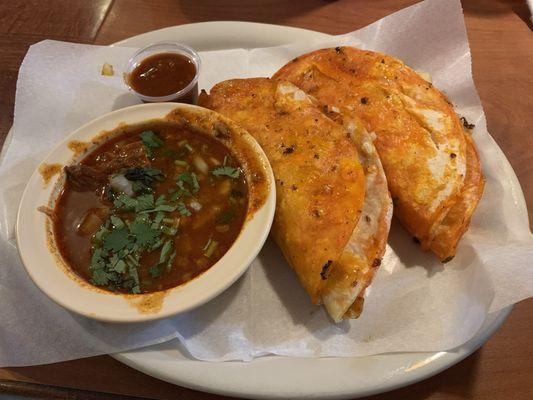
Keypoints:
pixel 502 51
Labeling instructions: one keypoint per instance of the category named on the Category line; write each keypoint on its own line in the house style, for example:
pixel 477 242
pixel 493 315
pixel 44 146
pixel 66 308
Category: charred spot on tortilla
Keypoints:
pixel 325 269
pixel 289 150
pixel 466 124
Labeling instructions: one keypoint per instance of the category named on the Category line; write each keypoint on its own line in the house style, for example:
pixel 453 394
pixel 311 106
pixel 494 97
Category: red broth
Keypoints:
pixel 150 209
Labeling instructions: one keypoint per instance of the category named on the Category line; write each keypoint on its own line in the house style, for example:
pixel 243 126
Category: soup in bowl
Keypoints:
pixel 146 212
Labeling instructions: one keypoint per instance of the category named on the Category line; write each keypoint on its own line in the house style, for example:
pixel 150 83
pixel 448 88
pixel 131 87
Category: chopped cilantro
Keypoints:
pixel 164 207
pixel 157 245
pixel 195 184
pixel 168 230
pixel 125 202
pixel 183 210
pixel 97 261
pixel 165 251
pixel 190 179
pixel 170 154
pixel 117 254
pixel 144 234
pixel 143 178
pixel 117 222
pixel 160 216
pixel 166 258
pixel 171 260
pixel 135 276
pixel 120 266
pixel 231 172
pixel 176 195
pixel 144 202
pixel 160 206
pixel 161 200
pixel 155 271
pixel 99 277
pixel 116 240
pixel 150 141
pixel 138 224
pixel 183 191
pixel 99 236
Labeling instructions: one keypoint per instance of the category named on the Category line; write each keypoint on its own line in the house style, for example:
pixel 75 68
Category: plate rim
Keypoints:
pixel 432 368
pixel 449 358
pixel 223 23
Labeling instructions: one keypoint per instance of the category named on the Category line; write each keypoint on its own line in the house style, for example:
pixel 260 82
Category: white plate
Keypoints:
pixel 286 377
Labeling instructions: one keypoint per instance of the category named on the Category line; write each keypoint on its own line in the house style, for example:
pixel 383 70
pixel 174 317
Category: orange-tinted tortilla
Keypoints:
pixel 320 182
pixel 333 208
pixel 419 137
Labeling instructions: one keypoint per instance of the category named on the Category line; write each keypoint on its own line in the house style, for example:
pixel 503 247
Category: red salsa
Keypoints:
pixel 150 209
pixel 162 74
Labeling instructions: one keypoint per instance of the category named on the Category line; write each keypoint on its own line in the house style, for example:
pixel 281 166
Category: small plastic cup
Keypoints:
pixel 189 94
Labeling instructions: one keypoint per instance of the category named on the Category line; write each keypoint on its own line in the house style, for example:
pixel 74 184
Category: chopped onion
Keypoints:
pixel 119 183
pixel 92 220
pixel 212 246
pixel 107 70
pixel 207 215
pixel 222 228
pixel 195 205
pixel 225 187
pixel 201 165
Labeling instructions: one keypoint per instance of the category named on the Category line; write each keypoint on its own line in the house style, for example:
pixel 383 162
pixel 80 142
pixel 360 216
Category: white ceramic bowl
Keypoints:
pixel 36 244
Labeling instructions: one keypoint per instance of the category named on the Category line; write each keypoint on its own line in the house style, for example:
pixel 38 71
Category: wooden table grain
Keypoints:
pixel 502 52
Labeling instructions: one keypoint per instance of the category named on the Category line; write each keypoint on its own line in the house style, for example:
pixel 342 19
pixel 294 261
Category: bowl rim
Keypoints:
pixel 87 300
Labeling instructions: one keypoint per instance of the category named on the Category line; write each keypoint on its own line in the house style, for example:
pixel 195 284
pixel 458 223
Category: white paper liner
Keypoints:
pixel 414 304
